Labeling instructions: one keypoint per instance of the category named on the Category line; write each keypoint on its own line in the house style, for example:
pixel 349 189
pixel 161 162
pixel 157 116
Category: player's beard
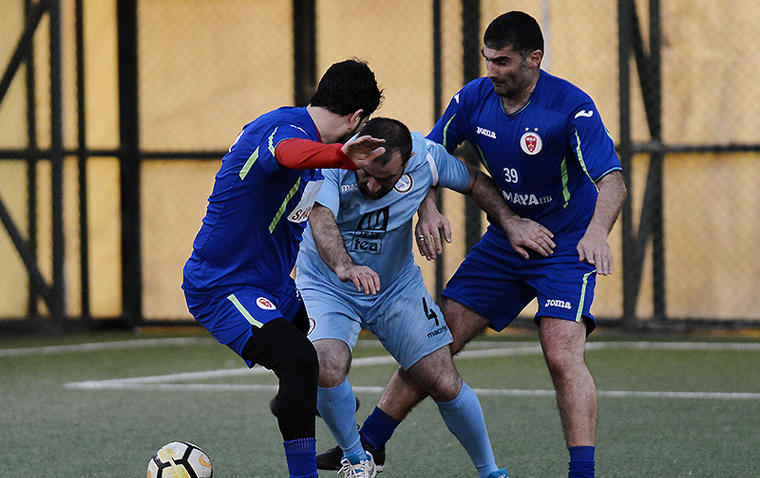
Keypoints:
pixel 513 84
pixel 369 195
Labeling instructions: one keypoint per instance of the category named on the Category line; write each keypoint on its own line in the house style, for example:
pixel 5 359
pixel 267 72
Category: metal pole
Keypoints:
pixel 626 159
pixel 657 159
pixel 32 21
pixel 31 163
pixel 470 71
pixel 58 311
pixel 129 163
pixel 82 158
pixel 437 110
pixel 304 51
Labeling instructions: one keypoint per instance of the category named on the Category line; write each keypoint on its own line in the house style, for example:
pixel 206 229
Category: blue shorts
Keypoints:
pixel 229 316
pixel 497 283
pixel 403 316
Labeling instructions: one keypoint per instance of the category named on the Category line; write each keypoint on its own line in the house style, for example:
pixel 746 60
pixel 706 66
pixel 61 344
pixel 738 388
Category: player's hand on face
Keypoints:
pixel 363 277
pixel 594 249
pixel 363 150
pixel 526 234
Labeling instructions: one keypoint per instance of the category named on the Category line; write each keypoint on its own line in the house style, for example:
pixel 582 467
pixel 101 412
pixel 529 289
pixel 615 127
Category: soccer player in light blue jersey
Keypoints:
pixel 543 141
pixel 237 281
pixel 356 269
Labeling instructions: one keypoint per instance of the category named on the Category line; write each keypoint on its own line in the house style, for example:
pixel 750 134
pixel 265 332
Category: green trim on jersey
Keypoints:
pixel 271 141
pixel 565 190
pixel 284 204
pixel 445 129
pixel 579 315
pixel 512 115
pixel 244 311
pixel 482 157
pixel 248 164
pixel 579 153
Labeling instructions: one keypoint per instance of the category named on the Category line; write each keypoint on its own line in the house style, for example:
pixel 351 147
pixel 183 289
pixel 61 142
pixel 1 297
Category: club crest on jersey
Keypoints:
pixel 404 184
pixel 264 303
pixel 531 143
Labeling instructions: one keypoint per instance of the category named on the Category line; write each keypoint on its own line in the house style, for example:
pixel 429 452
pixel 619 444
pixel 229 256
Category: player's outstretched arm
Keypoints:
pixel 593 247
pixel 299 153
pixel 363 150
pixel 432 227
pixel 523 233
pixel 333 251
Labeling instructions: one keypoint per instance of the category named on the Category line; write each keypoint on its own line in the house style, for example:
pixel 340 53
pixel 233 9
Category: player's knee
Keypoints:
pixel 334 362
pixel 282 348
pixel 562 362
pixel 441 382
pixel 446 389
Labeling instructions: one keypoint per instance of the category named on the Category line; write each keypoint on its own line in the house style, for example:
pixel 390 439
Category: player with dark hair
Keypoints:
pixel 356 269
pixel 543 142
pixel 237 281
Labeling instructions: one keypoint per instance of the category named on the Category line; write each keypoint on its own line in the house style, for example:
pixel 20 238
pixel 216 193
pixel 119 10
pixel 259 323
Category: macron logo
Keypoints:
pixel 585 114
pixel 486 132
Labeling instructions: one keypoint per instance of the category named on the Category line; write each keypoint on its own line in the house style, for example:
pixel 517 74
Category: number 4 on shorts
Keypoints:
pixel 430 313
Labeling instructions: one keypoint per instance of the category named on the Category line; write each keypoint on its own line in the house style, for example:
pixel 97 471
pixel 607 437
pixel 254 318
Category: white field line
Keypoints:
pixel 99 346
pixel 514 348
pixel 160 382
pixel 229 387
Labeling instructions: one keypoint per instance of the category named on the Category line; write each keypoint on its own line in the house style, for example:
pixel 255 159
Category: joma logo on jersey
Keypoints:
pixel 525 199
pixel 486 132
pixel 562 304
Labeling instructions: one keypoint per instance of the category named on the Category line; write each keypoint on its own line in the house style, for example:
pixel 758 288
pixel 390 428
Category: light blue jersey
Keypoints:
pixel 378 234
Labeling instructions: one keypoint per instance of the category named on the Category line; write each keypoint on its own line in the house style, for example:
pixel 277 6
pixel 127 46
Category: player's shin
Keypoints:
pixel 337 407
pixel 464 418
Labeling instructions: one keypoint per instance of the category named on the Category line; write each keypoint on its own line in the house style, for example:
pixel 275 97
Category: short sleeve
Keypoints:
pixel 592 143
pixel 264 149
pixel 448 171
pixel 329 193
pixel 450 130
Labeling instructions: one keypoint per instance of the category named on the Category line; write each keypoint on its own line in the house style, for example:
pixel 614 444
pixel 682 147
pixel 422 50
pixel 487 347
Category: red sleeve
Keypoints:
pixel 298 153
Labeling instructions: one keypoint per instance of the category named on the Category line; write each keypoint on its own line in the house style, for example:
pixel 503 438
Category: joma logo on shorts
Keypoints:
pixel 563 304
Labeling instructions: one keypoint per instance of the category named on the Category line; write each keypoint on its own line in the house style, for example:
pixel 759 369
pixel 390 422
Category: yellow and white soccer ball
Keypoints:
pixel 180 459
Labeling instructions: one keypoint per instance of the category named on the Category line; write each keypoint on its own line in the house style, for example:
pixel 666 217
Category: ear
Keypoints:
pixel 355 119
pixel 534 58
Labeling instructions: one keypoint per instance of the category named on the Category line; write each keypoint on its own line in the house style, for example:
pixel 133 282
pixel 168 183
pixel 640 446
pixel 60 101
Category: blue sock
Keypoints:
pixel 337 407
pixel 464 417
pixel 581 462
pixel 378 428
pixel 301 456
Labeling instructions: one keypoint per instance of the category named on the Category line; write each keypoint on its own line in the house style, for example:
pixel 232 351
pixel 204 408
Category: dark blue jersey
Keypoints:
pixel 257 210
pixel 545 158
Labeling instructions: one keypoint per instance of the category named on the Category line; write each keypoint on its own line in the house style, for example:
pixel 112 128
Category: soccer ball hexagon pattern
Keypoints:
pixel 180 459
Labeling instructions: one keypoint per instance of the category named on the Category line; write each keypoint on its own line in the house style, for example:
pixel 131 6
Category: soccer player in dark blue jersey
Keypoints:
pixel 237 281
pixel 543 142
